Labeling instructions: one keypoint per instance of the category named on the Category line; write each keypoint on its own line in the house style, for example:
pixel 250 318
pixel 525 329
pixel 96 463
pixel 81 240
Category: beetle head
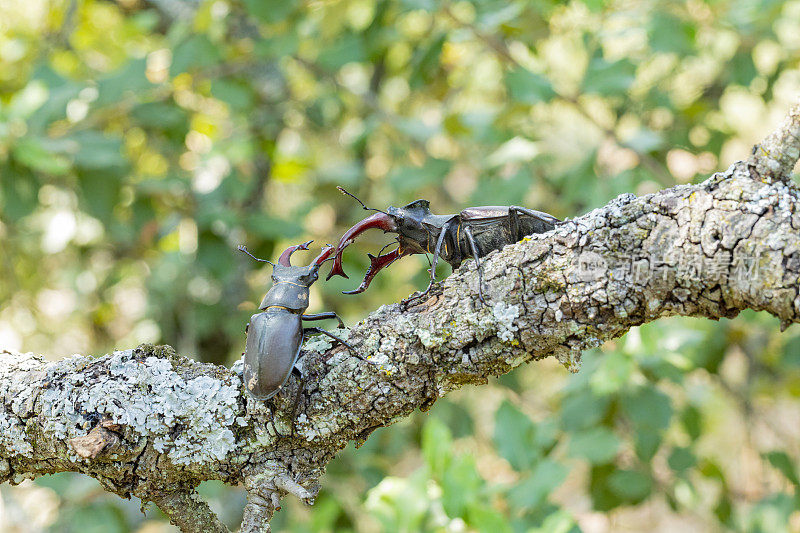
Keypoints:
pixel 290 283
pixel 302 275
pixel 405 221
pixel 412 235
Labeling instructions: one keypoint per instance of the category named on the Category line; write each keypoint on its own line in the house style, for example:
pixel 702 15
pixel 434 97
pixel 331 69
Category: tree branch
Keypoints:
pixel 149 423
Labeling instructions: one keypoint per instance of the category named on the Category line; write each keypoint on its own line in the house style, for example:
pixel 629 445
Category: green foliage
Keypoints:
pixel 139 145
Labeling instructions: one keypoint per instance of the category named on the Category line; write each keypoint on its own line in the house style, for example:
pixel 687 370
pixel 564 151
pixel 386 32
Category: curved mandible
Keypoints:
pixel 324 255
pixel 287 253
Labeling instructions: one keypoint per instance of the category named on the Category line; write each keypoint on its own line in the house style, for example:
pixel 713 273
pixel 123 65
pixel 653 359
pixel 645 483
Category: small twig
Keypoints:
pixel 190 513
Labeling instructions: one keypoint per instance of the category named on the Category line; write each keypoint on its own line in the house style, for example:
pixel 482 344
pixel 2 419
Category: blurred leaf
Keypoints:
pixel 237 95
pixel 272 228
pixel 711 350
pixel 425 63
pixel 648 408
pixel 607 79
pixel 461 484
pixel 514 435
pixel 493 13
pixel 782 462
pixel 582 410
pixel 668 33
pixel 534 489
pixel 645 141
pixel 416 129
pixel 277 46
pixel 692 421
pixel 400 504
pixel 457 418
pixel 527 87
pixel 100 191
pixel 597 445
pixel 647 442
pixel 558 522
pixel 406 179
pixel 485 519
pixel 97 151
pixel 31 152
pixel 428 5
pixel 195 52
pixel 326 511
pixel 791 351
pixel 23 103
pixel 724 510
pixel 129 80
pixel 631 485
pixel 437 445
pixel 92 518
pixel 19 196
pixel 347 48
pixel 270 10
pixel 613 373
pixel 772 514
pixel 681 459
pixel 160 115
pixel 742 68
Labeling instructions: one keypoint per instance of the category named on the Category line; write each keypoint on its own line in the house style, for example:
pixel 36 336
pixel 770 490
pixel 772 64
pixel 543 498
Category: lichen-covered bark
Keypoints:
pixel 149 423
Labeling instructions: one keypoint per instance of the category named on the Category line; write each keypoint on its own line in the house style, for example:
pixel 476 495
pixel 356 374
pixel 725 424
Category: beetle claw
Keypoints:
pixel 375 265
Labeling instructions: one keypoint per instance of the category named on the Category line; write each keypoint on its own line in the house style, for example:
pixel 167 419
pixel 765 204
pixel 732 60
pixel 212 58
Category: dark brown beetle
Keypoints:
pixel 275 335
pixel 474 232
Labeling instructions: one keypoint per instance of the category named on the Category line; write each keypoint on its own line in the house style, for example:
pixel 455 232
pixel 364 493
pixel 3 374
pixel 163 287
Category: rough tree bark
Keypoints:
pixel 150 423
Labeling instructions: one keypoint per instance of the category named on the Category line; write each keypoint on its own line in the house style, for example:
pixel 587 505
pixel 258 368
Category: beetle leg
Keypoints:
pixel 474 248
pixel 436 252
pixel 323 316
pixel 306 331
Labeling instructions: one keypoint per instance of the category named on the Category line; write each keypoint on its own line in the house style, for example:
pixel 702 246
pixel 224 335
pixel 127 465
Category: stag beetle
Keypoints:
pixel 275 335
pixel 474 232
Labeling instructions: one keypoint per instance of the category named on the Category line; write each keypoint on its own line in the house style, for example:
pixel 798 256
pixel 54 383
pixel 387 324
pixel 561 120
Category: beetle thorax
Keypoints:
pixel 290 287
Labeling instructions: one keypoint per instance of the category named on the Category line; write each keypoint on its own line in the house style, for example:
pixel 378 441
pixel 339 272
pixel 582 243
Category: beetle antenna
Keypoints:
pixel 343 191
pixel 243 248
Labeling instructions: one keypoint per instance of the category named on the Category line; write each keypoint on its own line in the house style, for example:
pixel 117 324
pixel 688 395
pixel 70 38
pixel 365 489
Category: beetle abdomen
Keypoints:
pixel 273 344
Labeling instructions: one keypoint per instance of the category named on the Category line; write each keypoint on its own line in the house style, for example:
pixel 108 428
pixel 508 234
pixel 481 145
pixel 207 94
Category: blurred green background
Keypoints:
pixel 142 140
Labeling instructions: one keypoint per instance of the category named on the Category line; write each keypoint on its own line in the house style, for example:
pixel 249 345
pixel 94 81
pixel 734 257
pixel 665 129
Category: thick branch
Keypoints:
pixel 149 423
